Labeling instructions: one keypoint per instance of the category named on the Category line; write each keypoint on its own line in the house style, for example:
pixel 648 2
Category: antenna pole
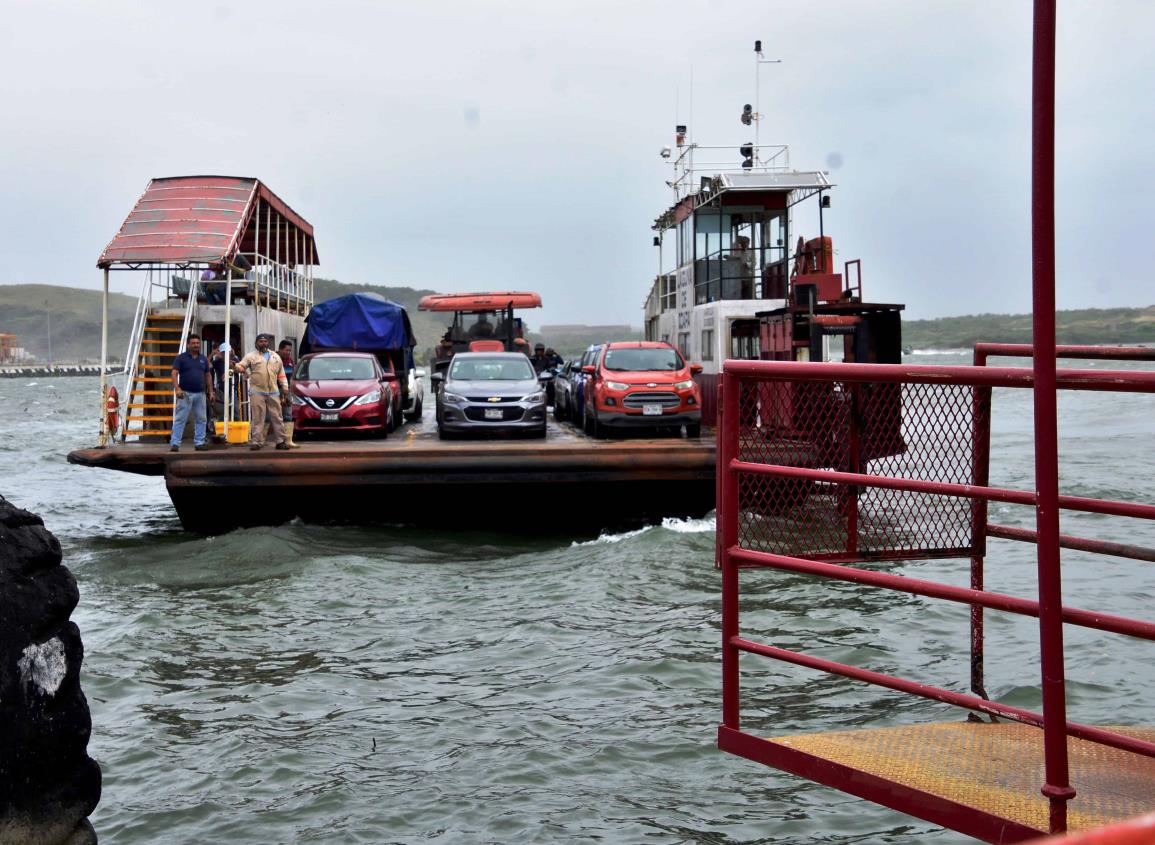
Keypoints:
pixel 758 62
pixel 757 96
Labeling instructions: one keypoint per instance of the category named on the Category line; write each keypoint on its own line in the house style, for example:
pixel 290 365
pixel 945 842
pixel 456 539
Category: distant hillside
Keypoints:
pixel 1093 325
pixel 74 315
pixel 28 311
pixel 427 327
pixel 570 340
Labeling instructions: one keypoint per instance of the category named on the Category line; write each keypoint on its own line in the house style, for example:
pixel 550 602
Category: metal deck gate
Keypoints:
pixel 825 465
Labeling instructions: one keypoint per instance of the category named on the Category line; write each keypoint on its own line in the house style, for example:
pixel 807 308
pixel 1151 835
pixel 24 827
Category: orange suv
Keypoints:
pixel 641 384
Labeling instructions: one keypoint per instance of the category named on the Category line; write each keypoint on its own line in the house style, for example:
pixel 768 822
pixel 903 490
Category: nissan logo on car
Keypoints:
pixel 329 403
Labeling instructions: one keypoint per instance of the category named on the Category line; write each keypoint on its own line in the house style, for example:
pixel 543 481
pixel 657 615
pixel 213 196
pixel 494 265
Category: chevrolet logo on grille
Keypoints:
pixel 494 398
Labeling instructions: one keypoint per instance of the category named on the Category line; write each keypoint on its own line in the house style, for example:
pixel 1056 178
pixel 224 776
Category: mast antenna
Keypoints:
pixel 756 116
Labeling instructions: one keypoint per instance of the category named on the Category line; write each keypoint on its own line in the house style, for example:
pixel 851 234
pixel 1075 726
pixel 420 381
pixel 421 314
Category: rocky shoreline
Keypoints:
pixel 48 784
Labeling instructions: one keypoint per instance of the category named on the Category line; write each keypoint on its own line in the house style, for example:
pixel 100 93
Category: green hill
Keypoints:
pixel 1092 325
pixel 73 314
pixel 427 327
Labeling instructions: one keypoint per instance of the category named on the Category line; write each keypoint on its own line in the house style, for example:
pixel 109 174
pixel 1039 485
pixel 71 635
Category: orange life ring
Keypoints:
pixel 112 410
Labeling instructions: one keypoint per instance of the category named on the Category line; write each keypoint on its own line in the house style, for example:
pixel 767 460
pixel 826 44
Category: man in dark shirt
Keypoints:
pixel 192 382
pixel 538 359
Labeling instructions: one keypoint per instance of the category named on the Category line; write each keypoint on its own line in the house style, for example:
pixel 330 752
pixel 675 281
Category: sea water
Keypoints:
pixel 312 683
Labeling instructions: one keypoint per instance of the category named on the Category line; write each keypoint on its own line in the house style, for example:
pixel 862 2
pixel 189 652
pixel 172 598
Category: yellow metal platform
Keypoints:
pixel 995 770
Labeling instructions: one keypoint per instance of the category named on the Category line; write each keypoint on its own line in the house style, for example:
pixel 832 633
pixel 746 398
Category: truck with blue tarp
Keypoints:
pixel 366 322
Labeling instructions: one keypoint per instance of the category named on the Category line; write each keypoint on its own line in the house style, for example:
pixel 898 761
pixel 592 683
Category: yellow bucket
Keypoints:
pixel 238 431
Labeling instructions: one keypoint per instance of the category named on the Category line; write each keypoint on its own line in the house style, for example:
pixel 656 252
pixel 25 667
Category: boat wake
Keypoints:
pixel 673 524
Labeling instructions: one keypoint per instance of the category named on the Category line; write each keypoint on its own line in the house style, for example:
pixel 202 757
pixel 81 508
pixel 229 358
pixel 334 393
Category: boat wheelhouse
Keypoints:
pixel 211 252
pixel 725 253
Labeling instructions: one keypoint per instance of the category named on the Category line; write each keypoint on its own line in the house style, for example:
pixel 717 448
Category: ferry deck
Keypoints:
pixel 413 477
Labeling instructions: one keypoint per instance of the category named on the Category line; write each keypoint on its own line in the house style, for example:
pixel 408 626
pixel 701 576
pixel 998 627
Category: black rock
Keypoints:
pixel 48 783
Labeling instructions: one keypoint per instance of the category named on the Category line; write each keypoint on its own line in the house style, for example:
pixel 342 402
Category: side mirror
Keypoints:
pixel 695 368
pixel 590 370
pixel 437 377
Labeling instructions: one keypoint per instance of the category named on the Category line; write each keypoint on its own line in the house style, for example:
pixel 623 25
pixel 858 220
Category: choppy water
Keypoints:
pixel 342 684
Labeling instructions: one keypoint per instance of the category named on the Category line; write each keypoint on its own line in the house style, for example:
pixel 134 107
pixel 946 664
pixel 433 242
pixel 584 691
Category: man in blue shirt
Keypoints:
pixel 192 381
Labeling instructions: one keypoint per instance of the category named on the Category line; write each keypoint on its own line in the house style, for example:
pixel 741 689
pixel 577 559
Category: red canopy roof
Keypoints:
pixel 479 301
pixel 209 219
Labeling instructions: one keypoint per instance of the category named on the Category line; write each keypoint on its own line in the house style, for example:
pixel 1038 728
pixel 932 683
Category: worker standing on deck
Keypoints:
pixel 285 350
pixel 267 387
pixel 191 381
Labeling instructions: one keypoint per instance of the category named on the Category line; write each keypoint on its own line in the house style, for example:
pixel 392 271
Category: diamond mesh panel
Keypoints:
pixel 910 431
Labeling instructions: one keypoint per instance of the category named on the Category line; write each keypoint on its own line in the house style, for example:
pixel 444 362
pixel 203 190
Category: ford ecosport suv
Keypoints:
pixel 641 384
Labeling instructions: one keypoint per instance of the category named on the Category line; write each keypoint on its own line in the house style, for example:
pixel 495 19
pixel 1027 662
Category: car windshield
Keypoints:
pixel 492 369
pixel 336 369
pixel 636 360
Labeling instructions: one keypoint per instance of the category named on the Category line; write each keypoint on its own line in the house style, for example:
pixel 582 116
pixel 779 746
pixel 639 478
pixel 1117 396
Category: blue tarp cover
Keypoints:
pixel 362 321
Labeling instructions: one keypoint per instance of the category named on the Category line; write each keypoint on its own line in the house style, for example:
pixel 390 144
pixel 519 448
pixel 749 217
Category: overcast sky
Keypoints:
pixel 514 145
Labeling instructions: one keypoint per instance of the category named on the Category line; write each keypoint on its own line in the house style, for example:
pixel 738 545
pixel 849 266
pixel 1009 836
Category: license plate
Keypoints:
pixel 651 410
pixel 493 414
pixel 330 416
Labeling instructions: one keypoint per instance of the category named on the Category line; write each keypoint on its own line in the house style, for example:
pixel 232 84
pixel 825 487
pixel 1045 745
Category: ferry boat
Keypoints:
pixel 219 251
pixel 736 278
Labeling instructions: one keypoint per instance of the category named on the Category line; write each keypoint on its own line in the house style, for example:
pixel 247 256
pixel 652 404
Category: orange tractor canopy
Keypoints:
pixel 481 322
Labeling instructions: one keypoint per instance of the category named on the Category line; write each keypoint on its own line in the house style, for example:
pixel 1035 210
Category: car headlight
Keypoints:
pixel 617 385
pixel 295 399
pixel 534 397
pixel 369 398
pixel 684 385
pixel 452 398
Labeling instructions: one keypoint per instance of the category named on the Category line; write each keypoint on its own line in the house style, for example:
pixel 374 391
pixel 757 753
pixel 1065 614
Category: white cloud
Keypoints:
pixel 472 145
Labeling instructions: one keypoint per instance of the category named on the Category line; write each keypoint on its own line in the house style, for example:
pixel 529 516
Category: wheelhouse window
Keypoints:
pixel 685 243
pixel 642 360
pixel 744 340
pixel 668 292
pixel 739 253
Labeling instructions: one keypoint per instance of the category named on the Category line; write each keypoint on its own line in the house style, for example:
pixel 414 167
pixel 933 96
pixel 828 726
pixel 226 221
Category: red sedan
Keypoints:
pixel 343 391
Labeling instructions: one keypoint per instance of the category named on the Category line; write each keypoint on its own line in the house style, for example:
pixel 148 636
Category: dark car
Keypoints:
pixel 641 384
pixel 577 381
pixel 563 390
pixel 490 392
pixel 343 391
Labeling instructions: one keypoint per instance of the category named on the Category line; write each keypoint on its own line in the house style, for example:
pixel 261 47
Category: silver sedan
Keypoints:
pixel 490 392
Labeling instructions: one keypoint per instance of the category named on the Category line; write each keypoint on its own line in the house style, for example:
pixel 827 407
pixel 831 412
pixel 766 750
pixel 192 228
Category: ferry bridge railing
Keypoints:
pixel 824 465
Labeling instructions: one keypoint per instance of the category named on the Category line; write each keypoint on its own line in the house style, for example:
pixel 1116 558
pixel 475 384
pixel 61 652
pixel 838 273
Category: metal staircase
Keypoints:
pixel 149 411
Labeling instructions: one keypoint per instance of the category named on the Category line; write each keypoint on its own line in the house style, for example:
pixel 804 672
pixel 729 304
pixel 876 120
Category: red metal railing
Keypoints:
pixel 791 434
pixel 823 465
